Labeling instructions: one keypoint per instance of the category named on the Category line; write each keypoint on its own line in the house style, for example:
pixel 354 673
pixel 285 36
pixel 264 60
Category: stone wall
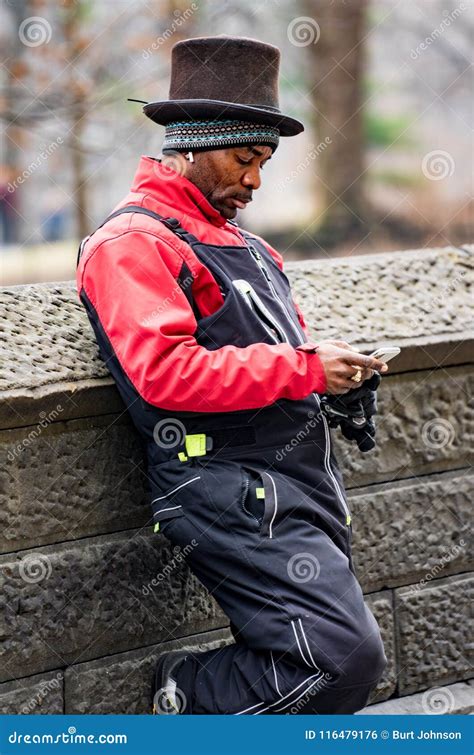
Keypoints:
pixel 90 596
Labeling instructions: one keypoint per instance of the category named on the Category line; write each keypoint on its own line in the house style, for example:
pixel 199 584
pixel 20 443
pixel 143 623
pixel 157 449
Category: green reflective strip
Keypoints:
pixel 195 444
pixel 348 519
pixel 156 527
pixel 182 456
pixel 260 492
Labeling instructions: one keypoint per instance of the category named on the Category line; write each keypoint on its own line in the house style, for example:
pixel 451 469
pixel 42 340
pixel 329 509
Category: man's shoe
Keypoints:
pixel 167 698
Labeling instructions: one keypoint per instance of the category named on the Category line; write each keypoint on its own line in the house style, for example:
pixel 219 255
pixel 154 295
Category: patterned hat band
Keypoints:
pixel 212 134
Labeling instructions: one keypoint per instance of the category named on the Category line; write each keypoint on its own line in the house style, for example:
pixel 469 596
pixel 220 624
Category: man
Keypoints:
pixel 196 322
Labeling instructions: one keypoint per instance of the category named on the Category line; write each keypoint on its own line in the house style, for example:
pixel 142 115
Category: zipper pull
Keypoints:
pixel 255 252
pixel 259 259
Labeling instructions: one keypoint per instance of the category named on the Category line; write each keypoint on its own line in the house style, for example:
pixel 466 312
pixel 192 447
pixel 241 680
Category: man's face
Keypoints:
pixel 227 177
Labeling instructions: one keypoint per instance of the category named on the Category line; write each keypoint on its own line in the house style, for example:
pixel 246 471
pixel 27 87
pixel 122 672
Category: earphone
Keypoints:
pixel 189 156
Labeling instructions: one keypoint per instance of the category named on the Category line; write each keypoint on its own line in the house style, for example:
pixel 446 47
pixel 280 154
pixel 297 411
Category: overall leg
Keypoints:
pixel 306 642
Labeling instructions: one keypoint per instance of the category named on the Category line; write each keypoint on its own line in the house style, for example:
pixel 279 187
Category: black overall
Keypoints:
pixel 260 515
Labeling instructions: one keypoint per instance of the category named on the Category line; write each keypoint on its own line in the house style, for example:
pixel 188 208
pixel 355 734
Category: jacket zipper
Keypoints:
pixel 245 490
pixel 259 260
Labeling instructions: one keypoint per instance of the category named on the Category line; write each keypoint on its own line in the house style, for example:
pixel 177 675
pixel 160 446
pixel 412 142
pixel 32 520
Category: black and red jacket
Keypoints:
pixel 129 272
pixel 196 322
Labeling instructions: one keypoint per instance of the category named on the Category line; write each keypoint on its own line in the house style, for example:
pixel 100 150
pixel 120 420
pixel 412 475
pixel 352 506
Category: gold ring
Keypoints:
pixel 357 376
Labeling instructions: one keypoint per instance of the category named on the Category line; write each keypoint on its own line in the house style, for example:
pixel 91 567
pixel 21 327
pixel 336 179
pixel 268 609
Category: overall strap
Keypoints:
pixel 172 224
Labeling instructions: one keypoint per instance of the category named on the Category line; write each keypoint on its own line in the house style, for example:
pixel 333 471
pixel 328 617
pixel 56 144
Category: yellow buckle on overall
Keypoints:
pixel 195 446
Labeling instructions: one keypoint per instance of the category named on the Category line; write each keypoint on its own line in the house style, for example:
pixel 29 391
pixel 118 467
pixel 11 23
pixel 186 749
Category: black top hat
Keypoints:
pixel 224 77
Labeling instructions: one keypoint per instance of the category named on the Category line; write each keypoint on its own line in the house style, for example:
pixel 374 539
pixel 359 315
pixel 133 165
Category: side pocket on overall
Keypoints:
pixel 167 504
pixel 260 499
pixel 253 495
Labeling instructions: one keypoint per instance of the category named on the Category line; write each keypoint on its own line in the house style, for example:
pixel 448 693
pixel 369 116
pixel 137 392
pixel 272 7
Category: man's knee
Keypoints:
pixel 357 676
pixel 364 663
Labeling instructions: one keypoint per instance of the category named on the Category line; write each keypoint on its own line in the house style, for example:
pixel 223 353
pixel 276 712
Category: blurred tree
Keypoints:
pixel 337 59
pixel 79 89
pixel 10 158
pixel 72 65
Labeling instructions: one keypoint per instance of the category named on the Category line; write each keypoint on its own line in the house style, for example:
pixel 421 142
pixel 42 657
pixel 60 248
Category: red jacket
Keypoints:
pixel 129 270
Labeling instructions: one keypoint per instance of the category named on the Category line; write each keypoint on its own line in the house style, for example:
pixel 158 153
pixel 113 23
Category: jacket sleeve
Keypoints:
pixel 149 323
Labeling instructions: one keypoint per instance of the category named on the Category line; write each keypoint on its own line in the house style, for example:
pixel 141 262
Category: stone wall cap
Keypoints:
pixel 402 297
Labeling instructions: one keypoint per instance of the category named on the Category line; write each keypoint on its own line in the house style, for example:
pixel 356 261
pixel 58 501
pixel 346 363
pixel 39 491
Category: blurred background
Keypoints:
pixel 384 88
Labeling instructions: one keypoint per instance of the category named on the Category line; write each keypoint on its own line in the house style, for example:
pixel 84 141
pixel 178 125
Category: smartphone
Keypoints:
pixel 385 353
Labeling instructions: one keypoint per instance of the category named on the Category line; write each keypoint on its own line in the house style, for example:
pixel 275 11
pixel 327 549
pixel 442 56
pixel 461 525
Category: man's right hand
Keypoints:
pixel 339 361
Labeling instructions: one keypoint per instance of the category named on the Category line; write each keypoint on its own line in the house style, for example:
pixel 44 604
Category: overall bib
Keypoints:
pixel 255 500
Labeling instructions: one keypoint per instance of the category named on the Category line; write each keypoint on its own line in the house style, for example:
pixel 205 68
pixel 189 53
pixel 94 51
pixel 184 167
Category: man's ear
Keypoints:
pixel 176 162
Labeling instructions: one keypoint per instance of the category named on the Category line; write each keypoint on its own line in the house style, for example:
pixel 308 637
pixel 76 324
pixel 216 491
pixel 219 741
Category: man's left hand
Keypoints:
pixel 353 412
